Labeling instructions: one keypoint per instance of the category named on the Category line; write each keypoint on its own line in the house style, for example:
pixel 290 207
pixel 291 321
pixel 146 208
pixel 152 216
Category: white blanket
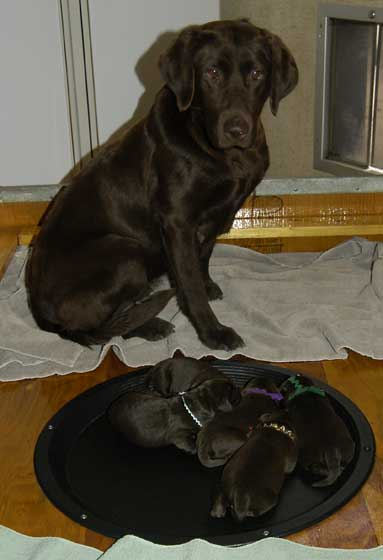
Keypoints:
pixel 14 546
pixel 286 307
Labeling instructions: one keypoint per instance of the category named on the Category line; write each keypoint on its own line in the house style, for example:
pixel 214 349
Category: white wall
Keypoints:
pixel 34 128
pixel 122 31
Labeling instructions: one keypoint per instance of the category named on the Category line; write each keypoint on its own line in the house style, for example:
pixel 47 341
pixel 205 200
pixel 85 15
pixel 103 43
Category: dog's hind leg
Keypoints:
pixel 100 290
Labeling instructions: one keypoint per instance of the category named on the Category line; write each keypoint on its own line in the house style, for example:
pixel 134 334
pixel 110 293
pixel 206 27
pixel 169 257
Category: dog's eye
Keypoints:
pixel 256 74
pixel 212 72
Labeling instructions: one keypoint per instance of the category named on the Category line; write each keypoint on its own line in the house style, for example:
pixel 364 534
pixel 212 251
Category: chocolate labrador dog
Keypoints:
pixel 253 478
pixel 155 201
pixel 228 431
pixel 175 375
pixel 325 444
pixel 148 419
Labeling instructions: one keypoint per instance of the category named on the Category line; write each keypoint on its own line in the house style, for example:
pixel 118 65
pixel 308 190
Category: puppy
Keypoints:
pixel 252 479
pixel 228 431
pixel 325 444
pixel 150 420
pixel 175 375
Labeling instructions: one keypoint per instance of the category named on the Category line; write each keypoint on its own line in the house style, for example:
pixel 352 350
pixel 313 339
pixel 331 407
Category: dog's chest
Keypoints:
pixel 225 199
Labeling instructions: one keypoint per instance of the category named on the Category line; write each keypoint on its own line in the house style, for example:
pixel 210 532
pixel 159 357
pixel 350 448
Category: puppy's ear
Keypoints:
pixel 160 377
pixel 284 72
pixel 177 67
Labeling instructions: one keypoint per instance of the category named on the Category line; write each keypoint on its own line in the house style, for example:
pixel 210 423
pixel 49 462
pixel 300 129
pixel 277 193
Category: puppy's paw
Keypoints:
pixel 187 443
pixel 222 338
pixel 219 506
pixel 213 291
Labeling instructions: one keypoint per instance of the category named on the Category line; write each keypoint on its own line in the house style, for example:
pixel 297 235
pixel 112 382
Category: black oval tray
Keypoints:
pixel 114 488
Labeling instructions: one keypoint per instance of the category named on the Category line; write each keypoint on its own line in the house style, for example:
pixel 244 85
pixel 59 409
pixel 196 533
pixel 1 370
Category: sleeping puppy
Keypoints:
pixel 325 444
pixel 150 420
pixel 228 431
pixel 252 479
pixel 174 375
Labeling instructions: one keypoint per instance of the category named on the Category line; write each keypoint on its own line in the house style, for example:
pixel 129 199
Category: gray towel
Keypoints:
pixel 15 546
pixel 286 306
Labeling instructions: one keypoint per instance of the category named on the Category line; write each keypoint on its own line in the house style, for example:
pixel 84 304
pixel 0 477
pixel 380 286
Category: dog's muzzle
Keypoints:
pixel 235 130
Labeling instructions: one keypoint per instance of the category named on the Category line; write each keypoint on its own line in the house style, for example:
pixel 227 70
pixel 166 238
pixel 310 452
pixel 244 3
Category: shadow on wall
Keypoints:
pixel 148 73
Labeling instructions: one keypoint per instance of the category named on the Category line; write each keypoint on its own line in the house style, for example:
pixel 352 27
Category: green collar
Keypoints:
pixel 300 389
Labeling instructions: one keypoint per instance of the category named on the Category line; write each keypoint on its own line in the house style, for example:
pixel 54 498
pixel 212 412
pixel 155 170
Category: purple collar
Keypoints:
pixel 275 396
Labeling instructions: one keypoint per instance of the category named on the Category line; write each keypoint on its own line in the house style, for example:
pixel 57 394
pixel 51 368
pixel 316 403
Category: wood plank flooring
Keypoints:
pixel 25 407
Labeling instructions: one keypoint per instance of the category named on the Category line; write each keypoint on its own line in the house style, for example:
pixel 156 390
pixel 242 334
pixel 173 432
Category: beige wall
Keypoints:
pixel 290 134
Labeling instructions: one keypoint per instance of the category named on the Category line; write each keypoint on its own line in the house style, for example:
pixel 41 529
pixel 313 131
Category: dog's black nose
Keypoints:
pixel 236 128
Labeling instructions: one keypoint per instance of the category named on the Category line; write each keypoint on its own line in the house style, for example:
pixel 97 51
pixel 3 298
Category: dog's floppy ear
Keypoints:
pixel 284 72
pixel 159 377
pixel 177 68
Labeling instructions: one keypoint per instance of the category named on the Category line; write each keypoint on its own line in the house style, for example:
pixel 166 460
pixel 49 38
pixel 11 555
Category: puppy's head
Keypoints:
pixel 290 385
pixel 265 383
pixel 214 395
pixel 215 449
pixel 227 70
pixel 174 375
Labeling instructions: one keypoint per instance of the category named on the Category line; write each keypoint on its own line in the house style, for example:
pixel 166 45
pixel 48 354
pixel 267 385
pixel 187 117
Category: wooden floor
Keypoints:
pixel 25 407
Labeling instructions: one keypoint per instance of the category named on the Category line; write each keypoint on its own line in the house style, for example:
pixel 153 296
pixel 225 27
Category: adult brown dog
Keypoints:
pixel 253 478
pixel 148 419
pixel 228 431
pixel 155 202
pixel 325 444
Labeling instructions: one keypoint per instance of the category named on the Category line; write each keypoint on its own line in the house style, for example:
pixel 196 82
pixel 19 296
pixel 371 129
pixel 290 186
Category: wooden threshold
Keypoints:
pixel 8 244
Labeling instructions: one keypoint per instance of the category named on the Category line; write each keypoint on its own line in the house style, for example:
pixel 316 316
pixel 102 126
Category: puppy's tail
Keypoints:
pixel 125 319
pixel 334 469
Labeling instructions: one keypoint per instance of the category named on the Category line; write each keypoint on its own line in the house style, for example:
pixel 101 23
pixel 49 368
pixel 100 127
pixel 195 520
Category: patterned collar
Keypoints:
pixel 181 394
pixel 275 396
pixel 300 389
pixel 280 428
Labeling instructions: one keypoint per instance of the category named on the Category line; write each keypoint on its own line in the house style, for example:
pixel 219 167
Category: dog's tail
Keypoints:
pixel 334 469
pixel 125 319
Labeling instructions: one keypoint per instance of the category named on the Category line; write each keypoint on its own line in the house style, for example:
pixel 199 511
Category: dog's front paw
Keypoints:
pixel 213 291
pixel 222 338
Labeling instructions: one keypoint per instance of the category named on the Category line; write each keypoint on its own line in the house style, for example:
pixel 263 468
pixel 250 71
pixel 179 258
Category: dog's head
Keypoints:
pixel 212 396
pixel 227 70
pixel 173 375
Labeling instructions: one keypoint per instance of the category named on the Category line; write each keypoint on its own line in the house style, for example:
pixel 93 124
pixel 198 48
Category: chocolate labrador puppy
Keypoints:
pixel 148 419
pixel 154 202
pixel 252 480
pixel 228 431
pixel 175 375
pixel 325 444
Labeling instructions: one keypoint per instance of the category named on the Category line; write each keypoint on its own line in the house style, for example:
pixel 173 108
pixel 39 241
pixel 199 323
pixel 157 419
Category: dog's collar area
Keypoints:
pixel 299 389
pixel 275 396
pixel 279 428
pixel 188 409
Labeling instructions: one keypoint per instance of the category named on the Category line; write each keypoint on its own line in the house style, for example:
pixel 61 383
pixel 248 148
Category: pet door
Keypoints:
pixel 349 90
